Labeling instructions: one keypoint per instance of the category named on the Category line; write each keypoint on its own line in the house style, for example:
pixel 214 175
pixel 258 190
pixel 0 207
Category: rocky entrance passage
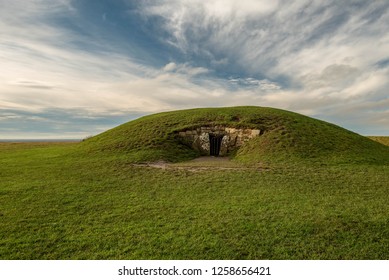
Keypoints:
pixel 215 142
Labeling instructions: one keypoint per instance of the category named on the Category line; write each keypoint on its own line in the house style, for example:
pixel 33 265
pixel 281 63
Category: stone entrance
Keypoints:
pixel 216 140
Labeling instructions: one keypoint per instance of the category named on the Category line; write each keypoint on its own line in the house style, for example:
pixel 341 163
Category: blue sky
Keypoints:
pixel 70 69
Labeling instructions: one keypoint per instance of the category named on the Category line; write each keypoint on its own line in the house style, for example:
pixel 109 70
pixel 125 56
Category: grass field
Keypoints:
pixel 56 204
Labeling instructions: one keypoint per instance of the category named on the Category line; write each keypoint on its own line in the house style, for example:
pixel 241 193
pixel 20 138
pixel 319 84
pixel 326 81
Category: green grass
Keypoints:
pixel 304 189
pixel 381 139
pixel 58 203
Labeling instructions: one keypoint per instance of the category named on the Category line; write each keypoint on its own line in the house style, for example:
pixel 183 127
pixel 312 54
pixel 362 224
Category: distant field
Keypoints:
pixel 381 139
pixel 55 204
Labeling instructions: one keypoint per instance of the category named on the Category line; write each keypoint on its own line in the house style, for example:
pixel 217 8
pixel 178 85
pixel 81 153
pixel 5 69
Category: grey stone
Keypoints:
pixel 198 138
pixel 255 132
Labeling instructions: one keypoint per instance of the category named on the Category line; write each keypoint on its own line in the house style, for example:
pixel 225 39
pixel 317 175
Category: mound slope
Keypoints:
pixel 285 136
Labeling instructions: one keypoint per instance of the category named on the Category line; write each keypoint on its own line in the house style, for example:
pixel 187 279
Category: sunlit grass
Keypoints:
pixel 57 205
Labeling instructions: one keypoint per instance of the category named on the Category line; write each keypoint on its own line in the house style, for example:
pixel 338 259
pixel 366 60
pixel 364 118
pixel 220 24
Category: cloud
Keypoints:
pixel 263 85
pixel 260 39
pixel 299 55
pixel 33 84
pixel 185 69
pixel 46 70
pixel 325 59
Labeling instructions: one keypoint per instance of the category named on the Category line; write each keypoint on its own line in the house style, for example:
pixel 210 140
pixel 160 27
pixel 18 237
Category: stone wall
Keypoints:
pixel 199 138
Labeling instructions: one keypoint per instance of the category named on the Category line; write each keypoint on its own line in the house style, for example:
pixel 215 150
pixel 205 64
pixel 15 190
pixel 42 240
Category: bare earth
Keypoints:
pixel 200 164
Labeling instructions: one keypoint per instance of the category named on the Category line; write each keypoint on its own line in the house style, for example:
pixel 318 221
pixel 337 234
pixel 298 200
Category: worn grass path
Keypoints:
pixel 57 205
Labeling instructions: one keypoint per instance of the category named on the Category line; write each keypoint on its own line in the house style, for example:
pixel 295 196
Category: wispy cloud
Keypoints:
pixel 314 54
pixel 184 69
pixel 326 59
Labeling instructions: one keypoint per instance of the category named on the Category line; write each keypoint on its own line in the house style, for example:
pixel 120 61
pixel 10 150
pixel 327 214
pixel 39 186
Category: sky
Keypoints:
pixel 75 68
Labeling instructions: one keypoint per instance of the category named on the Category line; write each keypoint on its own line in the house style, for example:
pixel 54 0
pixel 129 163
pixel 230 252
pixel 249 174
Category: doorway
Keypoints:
pixel 215 142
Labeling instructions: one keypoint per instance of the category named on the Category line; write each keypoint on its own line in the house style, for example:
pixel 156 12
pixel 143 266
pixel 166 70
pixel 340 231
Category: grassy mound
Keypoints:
pixel 286 136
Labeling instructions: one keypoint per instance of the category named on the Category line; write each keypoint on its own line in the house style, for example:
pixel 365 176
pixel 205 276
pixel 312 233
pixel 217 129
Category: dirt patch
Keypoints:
pixel 157 164
pixel 211 159
pixel 201 164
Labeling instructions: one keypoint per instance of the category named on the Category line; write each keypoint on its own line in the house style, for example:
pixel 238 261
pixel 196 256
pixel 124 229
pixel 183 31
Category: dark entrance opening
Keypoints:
pixel 215 142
